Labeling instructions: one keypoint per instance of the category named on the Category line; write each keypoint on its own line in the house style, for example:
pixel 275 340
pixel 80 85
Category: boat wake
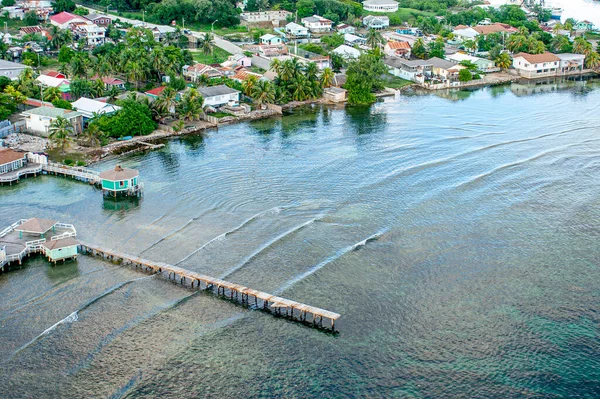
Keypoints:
pixel 330 259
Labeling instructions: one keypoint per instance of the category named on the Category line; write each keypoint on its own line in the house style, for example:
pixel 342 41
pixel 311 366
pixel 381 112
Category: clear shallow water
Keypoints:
pixel 483 281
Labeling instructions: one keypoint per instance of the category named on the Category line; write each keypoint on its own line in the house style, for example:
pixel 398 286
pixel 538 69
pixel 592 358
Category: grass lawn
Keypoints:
pixel 394 82
pixel 219 55
pixel 403 14
pixel 13 25
pixel 592 36
pixel 221 114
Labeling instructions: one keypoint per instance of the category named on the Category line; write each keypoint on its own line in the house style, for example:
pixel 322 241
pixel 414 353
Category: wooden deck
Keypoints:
pixel 246 296
pixel 79 173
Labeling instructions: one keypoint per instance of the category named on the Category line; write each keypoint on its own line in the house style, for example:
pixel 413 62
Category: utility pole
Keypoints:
pixel 183 21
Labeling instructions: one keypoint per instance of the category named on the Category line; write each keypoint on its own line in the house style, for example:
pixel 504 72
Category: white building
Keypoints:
pixel 93 34
pixel 571 62
pixel 11 160
pixel 38 120
pixel 88 107
pixel 380 5
pixel 11 70
pixel 536 65
pixel 317 24
pixel 465 33
pixel 376 22
pixel 64 20
pixel 270 39
pixel 216 96
pixel 347 52
pixel 294 29
pixel 265 16
pixel 415 71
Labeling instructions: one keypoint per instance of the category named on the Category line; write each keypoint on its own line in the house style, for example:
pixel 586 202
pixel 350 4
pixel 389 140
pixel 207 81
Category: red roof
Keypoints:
pixel 109 81
pixel 63 17
pixel 55 74
pixel 157 91
pixel 37 103
pixel 399 45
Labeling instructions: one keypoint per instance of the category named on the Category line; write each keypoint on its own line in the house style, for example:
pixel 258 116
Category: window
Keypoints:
pixel 121 183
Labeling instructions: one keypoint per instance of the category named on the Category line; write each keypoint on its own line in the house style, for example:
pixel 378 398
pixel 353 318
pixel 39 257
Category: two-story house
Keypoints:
pixel 536 65
pixel 317 24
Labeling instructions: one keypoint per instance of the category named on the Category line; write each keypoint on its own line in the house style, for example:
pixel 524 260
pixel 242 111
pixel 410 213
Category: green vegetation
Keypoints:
pixel 61 131
pixel 220 115
pixel 218 55
pixel 134 119
pixel 295 82
pixel 464 75
pixel 364 77
pixel 394 82
pixel 402 15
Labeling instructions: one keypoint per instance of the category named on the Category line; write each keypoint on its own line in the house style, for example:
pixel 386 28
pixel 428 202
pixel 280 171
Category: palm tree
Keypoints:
pixel 276 66
pixel 470 45
pixel 327 77
pixel 263 93
pixel 167 101
pixel 178 126
pixel 157 59
pixel 503 61
pixel 52 94
pixel 77 66
pixel 582 46
pixel 311 71
pixel 98 88
pixel 374 38
pixel 102 67
pixel 135 72
pixel 60 133
pixel 92 136
pixel 205 43
pixel 190 107
pixel 248 85
pixel 592 60
pixel 514 43
pixel 203 80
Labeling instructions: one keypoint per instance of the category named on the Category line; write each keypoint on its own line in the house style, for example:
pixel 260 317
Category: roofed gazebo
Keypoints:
pixel 36 226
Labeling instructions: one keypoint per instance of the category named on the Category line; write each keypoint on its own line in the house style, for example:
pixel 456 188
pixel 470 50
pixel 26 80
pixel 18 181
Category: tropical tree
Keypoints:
pixel 263 93
pixel 374 38
pixel 92 136
pixel 190 106
pixel 112 93
pixel 503 61
pixel 418 49
pixel 178 126
pixel 248 85
pixel 363 77
pixel 167 101
pixel 97 88
pixel 582 46
pixel 592 60
pixel 327 77
pixel 60 133
pixel 206 43
pixel 470 45
pixel 52 94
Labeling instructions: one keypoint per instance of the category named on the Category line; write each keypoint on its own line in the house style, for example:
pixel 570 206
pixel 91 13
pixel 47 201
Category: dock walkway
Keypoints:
pixel 79 173
pixel 274 304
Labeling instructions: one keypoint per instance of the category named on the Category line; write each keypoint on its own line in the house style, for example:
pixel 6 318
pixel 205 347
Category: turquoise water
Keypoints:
pixel 483 280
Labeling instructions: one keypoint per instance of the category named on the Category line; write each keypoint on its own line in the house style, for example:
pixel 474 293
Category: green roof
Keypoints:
pixel 52 112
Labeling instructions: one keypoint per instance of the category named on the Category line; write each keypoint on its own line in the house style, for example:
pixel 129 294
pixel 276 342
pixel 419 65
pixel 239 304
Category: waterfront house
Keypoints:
pixel 334 94
pixel 64 20
pixel 346 52
pixel 444 69
pixel 38 120
pixel 380 5
pixel 317 24
pixel 483 64
pixel 583 25
pixel 11 160
pixel 497 27
pixel 294 30
pixel 216 96
pixel 571 62
pixel 413 70
pixel 307 57
pixel 88 107
pixel 344 28
pixel 377 22
pixel 536 65
pixel 11 70
pixel 120 181
pixel 270 39
pixel 397 49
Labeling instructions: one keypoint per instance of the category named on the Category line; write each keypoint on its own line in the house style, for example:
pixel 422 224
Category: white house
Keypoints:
pixel 463 33
pixel 344 28
pixel 346 52
pixel 536 65
pixel 293 29
pixel 93 34
pixel 571 62
pixel 11 160
pixel 265 16
pixel 317 24
pixel 11 70
pixel 380 5
pixel 376 22
pixel 353 40
pixel 88 107
pixel 51 81
pixel 64 20
pixel 38 120
pixel 415 71
pixel 270 39
pixel 483 64
pixel 216 96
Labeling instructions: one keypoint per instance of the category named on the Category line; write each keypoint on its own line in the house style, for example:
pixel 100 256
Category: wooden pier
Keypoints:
pixel 246 296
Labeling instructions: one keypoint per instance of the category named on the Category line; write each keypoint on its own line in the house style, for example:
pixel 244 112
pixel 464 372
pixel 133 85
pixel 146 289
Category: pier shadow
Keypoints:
pixel 120 204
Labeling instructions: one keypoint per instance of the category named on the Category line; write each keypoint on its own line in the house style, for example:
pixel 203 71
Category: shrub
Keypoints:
pixel 68 162
pixel 80 163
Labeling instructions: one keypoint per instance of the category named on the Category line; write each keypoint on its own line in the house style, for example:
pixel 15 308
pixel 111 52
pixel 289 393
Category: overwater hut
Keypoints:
pixel 121 181
pixel 61 249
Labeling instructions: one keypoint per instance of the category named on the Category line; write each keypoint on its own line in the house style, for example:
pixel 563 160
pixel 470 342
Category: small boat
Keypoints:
pixel 125 138
pixel 557 13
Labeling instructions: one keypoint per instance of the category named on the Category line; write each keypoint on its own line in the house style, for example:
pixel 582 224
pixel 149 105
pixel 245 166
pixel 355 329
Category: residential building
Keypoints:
pixel 415 71
pixel 380 5
pixel 376 22
pixel 64 20
pixel 584 25
pixel 11 70
pixel 236 60
pixel 463 33
pixel 483 64
pixel 55 74
pixel 334 94
pixel 353 40
pixel 295 30
pixel 156 92
pixel 193 72
pixel 39 120
pixel 444 69
pixel 343 29
pixel 322 61
pixel 265 16
pixel 270 39
pixel 11 160
pixel 243 74
pixel 160 32
pixel 216 96
pixel 571 62
pixel 397 49
pixel 93 34
pixel 100 19
pixel 14 12
pixel 110 82
pixel 536 65
pixel 494 28
pixel 61 84
pixel 88 107
pixel 347 52
pixel 272 51
pixel 119 180
pixel 317 24
pixel 34 30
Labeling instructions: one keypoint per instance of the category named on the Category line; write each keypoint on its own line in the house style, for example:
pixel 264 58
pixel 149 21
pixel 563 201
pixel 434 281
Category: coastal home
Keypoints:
pixel 194 72
pixel 536 65
pixel 353 40
pixel 584 25
pixel 64 20
pixel 497 27
pixel 295 30
pixel 444 69
pixel 100 19
pixel 376 22
pixel 89 108
pixel 317 24
pixel 216 96
pixel 61 249
pixel 119 181
pixel 413 70
pixel 571 62
pixel 397 49
pixel 483 64
pixel 270 39
pixel 110 82
pixel 11 160
pixel 346 52
pixel 334 94
pixel 343 29
pixel 265 16
pixel 380 5
pixel 94 35
pixel 11 70
pixel 38 120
